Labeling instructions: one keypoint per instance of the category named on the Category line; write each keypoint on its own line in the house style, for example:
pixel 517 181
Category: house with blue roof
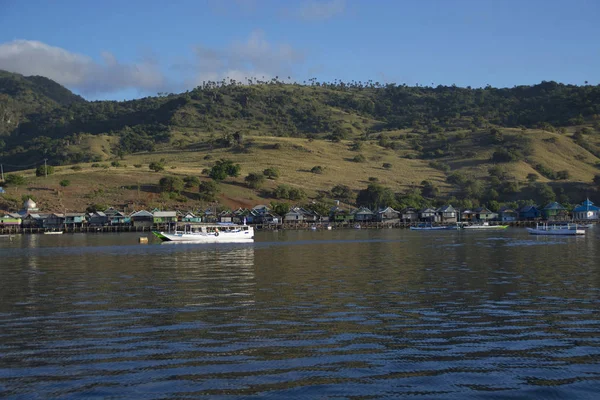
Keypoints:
pixel 529 213
pixel 586 211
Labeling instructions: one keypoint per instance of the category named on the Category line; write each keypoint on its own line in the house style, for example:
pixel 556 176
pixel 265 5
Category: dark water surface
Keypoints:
pixel 333 314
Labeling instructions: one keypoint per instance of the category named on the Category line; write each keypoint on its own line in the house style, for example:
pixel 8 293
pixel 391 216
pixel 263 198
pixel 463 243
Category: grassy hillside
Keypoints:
pixel 423 145
pixel 131 184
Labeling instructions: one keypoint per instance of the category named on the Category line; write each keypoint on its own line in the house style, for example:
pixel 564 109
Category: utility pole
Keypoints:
pixel 45 168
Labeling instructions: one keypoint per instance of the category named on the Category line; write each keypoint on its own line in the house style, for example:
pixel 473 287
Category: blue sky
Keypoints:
pixel 132 48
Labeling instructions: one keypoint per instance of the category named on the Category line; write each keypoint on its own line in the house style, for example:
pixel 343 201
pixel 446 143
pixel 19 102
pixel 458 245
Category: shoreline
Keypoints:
pixel 12 230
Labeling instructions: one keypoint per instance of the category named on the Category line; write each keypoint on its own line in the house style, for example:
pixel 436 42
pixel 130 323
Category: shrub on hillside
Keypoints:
pixel 44 170
pixel 15 180
pixel 255 180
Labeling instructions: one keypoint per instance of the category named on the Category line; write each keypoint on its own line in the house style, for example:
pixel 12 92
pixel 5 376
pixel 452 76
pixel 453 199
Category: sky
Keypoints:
pixel 135 48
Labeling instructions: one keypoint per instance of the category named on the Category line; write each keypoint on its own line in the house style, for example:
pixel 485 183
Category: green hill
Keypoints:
pixel 485 144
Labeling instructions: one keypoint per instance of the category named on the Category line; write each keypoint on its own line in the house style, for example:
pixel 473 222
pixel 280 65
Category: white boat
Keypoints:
pixel 208 233
pixel 53 233
pixel 484 225
pixel 545 229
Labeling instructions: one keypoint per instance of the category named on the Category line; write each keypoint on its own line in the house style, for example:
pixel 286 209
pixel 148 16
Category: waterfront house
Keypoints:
pixel 116 217
pixel 10 220
pixel 240 215
pixel 209 216
pixel 296 214
pixel 188 217
pixel 484 214
pixel 467 215
pixel 97 218
pixel 429 214
pixel 270 218
pixel 312 216
pixel 54 221
pixel 164 217
pixel 529 213
pixel 388 215
pixel 555 211
pixel 363 214
pixel 507 214
pixel 586 211
pixel 33 220
pixel 447 213
pixel 261 209
pixel 142 219
pixel 226 217
pixel 74 220
pixel 409 214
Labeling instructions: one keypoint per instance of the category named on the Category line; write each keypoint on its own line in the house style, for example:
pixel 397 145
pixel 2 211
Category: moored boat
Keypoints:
pixel 208 233
pixel 484 225
pixel 429 227
pixel 545 229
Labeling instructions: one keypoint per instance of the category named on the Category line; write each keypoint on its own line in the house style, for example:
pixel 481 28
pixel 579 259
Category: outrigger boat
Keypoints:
pixel 208 233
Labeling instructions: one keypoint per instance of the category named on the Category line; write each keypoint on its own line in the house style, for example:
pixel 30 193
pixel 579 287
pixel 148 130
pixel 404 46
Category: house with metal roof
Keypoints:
pixel 586 211
pixel 555 211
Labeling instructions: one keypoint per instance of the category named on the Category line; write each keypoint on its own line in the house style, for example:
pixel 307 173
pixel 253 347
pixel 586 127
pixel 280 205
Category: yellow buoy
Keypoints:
pixel 143 240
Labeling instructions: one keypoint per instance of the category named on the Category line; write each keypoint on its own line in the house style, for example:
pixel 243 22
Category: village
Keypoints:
pixel 33 220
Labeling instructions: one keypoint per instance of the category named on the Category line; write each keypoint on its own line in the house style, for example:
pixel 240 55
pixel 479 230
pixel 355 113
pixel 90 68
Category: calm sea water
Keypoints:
pixel 332 314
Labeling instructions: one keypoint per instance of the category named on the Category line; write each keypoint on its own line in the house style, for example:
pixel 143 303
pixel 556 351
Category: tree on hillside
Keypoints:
pixel 429 189
pixel 544 194
pixel 280 208
pixel 531 177
pixel 271 173
pixel 191 181
pixel 375 196
pixel 208 190
pixel 342 192
pixel 171 184
pixel 320 208
pixel 224 168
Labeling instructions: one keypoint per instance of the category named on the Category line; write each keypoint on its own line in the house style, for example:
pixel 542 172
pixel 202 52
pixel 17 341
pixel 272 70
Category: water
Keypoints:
pixel 332 314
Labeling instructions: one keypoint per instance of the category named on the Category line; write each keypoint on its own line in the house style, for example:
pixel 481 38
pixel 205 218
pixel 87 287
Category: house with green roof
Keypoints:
pixel 555 211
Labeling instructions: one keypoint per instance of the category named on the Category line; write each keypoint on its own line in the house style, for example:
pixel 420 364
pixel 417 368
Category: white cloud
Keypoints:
pixel 78 71
pixel 313 10
pixel 252 58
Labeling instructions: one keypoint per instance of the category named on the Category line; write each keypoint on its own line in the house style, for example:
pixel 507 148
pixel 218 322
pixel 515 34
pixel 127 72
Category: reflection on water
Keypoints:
pixel 302 314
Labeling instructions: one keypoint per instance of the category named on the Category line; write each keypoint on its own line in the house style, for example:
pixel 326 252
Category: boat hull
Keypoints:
pixel 485 227
pixel 556 232
pixel 433 228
